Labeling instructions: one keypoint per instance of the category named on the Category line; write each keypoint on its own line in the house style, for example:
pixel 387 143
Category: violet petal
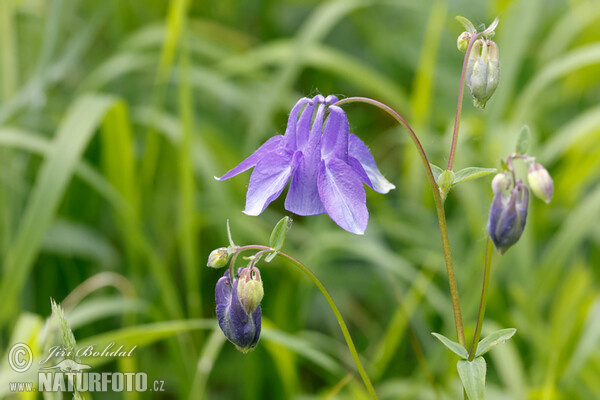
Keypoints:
pixel 268 180
pixel 267 147
pixel 343 195
pixel 358 150
pixel 292 125
pixel 334 143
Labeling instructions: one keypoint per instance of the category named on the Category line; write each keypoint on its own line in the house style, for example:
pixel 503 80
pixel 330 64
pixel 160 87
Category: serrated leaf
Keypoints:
pixel 452 345
pixel 493 339
pixel 472 375
pixel 469 27
pixel 523 140
pixel 278 235
pixel 437 171
pixel 471 173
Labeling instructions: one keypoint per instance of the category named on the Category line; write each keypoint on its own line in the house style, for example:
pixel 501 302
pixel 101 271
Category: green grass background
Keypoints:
pixel 116 114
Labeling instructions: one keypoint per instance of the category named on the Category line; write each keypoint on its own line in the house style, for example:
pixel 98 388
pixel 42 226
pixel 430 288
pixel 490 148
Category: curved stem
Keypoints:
pixel 460 100
pixel 336 311
pixel 439 206
pixel 483 301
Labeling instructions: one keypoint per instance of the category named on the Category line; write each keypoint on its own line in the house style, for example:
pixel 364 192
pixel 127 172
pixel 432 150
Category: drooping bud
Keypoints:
pixel 463 41
pixel 250 289
pixel 218 258
pixel 540 182
pixel 240 327
pixel 483 71
pixel 500 183
pixel 508 215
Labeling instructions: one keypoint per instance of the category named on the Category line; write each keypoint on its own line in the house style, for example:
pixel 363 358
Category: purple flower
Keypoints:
pixel 508 214
pixel 242 328
pixel 327 167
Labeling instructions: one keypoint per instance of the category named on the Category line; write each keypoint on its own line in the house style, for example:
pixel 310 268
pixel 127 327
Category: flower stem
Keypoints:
pixel 332 305
pixel 439 206
pixel 483 301
pixel 460 100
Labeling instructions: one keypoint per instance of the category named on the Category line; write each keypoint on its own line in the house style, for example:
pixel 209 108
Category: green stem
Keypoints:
pixel 439 206
pixel 482 303
pixel 460 100
pixel 336 311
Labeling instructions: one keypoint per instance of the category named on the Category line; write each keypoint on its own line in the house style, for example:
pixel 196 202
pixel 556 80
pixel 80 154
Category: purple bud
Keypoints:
pixel 540 182
pixel 508 215
pixel 240 327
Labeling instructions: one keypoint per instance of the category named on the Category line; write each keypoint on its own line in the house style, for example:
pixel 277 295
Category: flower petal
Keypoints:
pixel 268 180
pixel 223 300
pixel 331 99
pixel 267 147
pixel 358 150
pixel 242 327
pixel 303 195
pixel 335 135
pixel 292 125
pixel 343 195
pixel 303 127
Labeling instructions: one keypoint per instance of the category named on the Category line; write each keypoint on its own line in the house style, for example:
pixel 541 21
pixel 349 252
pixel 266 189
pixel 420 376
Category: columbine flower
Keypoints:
pixel 508 214
pixel 239 314
pixel 327 167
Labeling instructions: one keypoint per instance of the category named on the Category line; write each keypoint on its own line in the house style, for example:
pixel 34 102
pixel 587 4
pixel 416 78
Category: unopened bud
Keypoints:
pixel 463 41
pixel 250 289
pixel 508 215
pixel 445 181
pixel 240 327
pixel 483 71
pixel 540 182
pixel 500 182
pixel 218 258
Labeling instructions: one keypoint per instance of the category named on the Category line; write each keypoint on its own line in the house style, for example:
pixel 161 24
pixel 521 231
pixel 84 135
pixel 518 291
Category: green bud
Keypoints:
pixel 445 181
pixel 463 41
pixel 218 258
pixel 540 182
pixel 250 289
pixel 483 71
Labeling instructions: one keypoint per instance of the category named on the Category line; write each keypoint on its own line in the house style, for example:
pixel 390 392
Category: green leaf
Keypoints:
pixel 466 23
pixel 270 256
pixel 472 375
pixel 493 339
pixel 452 345
pixel 437 171
pixel 470 173
pixel 279 232
pixel 68 145
pixel 523 140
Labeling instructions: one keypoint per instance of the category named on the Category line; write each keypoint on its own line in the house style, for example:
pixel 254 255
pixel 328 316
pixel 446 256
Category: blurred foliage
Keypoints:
pixel 116 115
